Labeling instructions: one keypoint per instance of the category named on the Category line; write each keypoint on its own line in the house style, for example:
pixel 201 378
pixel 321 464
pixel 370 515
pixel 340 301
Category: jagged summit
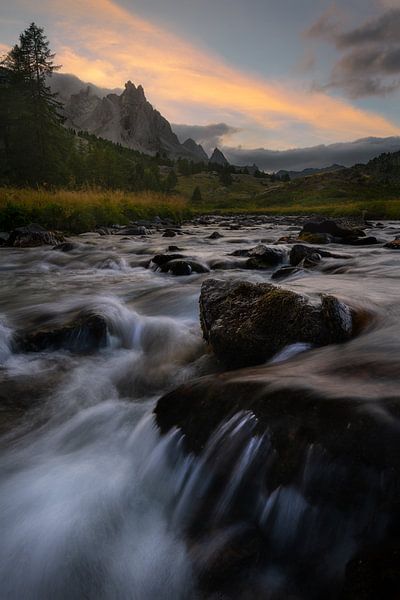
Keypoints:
pixel 126 118
pixel 218 158
pixel 196 149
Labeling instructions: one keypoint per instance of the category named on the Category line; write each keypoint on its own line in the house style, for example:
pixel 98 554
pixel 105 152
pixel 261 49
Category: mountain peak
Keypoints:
pixel 218 158
pixel 196 149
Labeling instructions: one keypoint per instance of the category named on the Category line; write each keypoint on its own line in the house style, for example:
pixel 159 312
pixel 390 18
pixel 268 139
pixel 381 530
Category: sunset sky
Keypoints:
pixel 276 73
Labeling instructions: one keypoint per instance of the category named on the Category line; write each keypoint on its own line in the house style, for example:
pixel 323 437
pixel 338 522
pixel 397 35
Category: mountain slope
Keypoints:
pixel 127 119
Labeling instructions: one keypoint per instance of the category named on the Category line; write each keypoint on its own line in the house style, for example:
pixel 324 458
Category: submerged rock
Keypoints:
pixel 247 323
pixel 215 236
pixel 84 334
pixel 394 244
pixel 65 247
pixel 169 233
pixel 33 235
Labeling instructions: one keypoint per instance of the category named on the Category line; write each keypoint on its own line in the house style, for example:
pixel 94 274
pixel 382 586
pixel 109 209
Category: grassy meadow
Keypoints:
pixel 77 211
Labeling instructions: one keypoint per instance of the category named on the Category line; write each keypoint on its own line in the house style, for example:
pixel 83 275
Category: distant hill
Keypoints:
pixel 308 172
pixel 377 180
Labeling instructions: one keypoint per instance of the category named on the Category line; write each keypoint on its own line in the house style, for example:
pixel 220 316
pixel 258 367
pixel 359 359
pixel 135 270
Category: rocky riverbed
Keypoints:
pixel 203 411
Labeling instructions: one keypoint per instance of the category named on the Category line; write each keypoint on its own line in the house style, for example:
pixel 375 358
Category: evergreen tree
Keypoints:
pixel 196 196
pixel 38 144
pixel 171 181
pixel 225 177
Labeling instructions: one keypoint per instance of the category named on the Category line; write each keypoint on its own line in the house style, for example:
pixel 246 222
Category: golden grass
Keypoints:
pixel 83 210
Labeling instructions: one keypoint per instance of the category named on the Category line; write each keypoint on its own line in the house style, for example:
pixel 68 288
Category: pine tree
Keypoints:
pixel 196 196
pixel 171 181
pixel 38 143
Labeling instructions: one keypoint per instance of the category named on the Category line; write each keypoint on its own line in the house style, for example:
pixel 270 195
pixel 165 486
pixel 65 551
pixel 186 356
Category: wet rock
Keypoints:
pixel 215 236
pixel 184 267
pixel 177 267
pixel 333 228
pixel 169 233
pixel 394 244
pixel 362 241
pixel 104 230
pixel 163 259
pixel 284 272
pixel 84 334
pixel 32 236
pixel 246 323
pixel 263 257
pixel 174 249
pixel 135 230
pixel 241 253
pixel 299 252
pixel 65 247
pixel 316 238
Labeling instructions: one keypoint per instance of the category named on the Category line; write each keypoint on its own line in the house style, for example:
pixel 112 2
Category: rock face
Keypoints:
pixel 246 323
pixel 33 235
pixel 195 149
pixel 218 158
pixel 127 119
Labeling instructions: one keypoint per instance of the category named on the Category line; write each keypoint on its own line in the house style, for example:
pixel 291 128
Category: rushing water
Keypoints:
pixel 94 503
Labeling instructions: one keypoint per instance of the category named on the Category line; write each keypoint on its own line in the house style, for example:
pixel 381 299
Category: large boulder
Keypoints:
pixel 305 461
pixel 247 323
pixel 33 235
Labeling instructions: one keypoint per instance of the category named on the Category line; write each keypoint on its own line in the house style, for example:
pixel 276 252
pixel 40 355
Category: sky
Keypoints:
pixel 276 74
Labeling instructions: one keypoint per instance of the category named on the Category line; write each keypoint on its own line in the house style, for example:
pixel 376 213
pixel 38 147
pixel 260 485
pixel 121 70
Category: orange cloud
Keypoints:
pixel 103 43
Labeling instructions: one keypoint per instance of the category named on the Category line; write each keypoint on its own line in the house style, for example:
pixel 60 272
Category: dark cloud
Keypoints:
pixel 297 159
pixel 370 64
pixel 66 84
pixel 209 136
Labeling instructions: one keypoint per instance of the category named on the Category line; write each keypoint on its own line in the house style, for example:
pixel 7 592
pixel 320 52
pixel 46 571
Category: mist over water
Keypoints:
pixel 94 503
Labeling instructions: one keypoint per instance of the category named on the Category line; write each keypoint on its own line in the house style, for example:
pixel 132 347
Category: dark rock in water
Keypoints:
pixel 177 267
pixel 315 238
pixel 32 236
pixel 327 483
pixel 333 228
pixel 260 257
pixel 169 233
pixel 362 241
pixel 163 259
pixel 84 334
pixel 65 247
pixel 215 236
pixel 284 272
pixel 242 253
pixel 185 266
pixel 136 230
pixel 246 323
pixel 174 249
pixel 299 252
pixel 104 230
pixel 393 245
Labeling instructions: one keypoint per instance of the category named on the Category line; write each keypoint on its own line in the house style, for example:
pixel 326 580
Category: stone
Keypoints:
pixel 33 235
pixel 247 324
pixel 84 334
